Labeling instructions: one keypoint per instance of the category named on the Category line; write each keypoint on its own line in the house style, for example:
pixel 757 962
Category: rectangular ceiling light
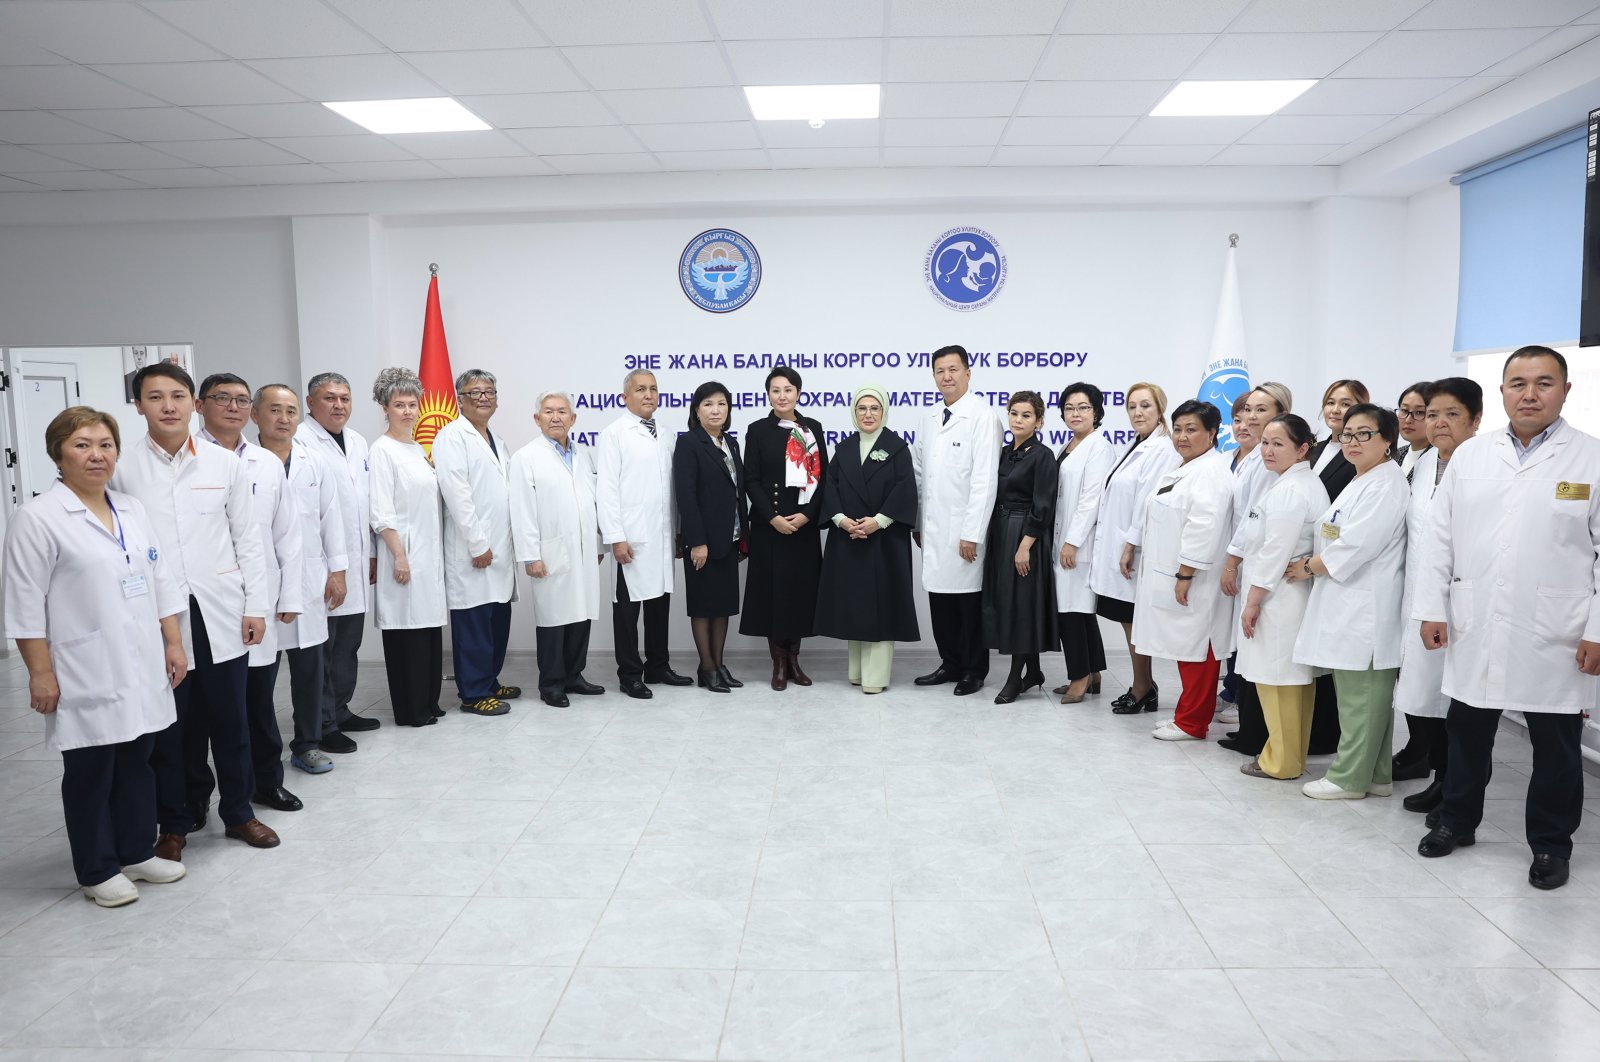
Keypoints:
pixel 779 103
pixel 437 114
pixel 1228 99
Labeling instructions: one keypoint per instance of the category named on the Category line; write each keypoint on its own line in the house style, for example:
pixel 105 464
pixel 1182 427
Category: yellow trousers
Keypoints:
pixel 1288 712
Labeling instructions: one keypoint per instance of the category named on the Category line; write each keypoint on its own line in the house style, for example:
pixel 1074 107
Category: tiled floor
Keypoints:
pixel 814 875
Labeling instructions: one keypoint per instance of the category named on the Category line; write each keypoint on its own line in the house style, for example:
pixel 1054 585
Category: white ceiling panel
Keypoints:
pixel 302 173
pixel 654 106
pixel 1245 56
pixel 281 119
pixel 1271 155
pixel 1042 132
pixel 432 26
pixel 367 147
pixel 189 177
pixel 852 61
pixel 640 163
pixel 699 136
pixel 1151 16
pixel 1183 131
pixel 799 136
pixel 619 21
pixel 1164 155
pixel 962 18
pixel 12 184
pixel 1393 128
pixel 1319 16
pixel 934 132
pixel 265 29
pixel 1463 91
pixel 941 157
pixel 1438 53
pixel 1074 99
pixel 113 156
pixel 1557 42
pixel 917 59
pixel 348 77
pixel 150 124
pixel 412 170
pixel 638 66
pixel 594 140
pixel 465 145
pixel 823 158
pixel 497 71
pixel 14 51
pixel 1313 129
pixel 973 99
pixel 1382 95
pixel 746 159
pixel 1035 155
pixel 242 152
pixel 186 84
pixel 1122 57
pixel 539 109
pixel 21 160
pixel 518 166
pixel 81 181
pixel 56 88
pixel 93 31
pixel 37 127
pixel 1345 154
pixel 1498 14
pixel 738 20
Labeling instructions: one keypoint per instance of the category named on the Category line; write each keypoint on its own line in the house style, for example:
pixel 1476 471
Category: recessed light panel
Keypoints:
pixel 437 114
pixel 1228 99
pixel 779 103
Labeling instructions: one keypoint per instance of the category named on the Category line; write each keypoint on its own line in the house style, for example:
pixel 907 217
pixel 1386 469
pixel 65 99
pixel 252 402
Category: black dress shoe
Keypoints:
pixel 357 723
pixel 1126 705
pixel 1442 840
pixel 1233 744
pixel 200 821
pixel 1431 819
pixel 668 677
pixel 711 680
pixel 1548 872
pixel 727 678
pixel 968 686
pixel 278 798
pixel 584 687
pixel 937 677
pixel 336 742
pixel 1406 770
pixel 637 689
pixel 555 700
pixel 1427 799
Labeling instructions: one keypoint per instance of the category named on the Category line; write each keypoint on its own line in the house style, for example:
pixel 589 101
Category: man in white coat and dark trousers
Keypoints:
pixel 633 498
pixel 225 410
pixel 328 405
pixel 957 461
pixel 198 499
pixel 1509 595
pixel 479 581
pixel 553 522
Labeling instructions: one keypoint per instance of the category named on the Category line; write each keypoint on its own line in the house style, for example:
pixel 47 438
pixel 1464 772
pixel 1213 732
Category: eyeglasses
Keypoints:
pixel 1084 408
pixel 230 401
pixel 1410 414
pixel 1361 435
pixel 480 395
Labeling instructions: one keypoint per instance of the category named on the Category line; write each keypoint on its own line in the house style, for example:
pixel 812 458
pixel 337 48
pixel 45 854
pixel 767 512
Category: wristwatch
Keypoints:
pixel 1183 578
pixel 1305 566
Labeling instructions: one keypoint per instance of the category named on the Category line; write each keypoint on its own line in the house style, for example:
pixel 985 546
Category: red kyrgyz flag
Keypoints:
pixel 438 382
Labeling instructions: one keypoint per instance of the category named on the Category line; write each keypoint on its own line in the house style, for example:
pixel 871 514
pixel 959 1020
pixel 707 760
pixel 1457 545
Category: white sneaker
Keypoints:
pixel 1229 714
pixel 1322 789
pixel 115 891
pixel 1170 731
pixel 1380 789
pixel 157 870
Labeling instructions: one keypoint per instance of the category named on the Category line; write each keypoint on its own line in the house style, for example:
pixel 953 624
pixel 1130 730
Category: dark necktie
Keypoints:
pixel 946 415
pixel 651 424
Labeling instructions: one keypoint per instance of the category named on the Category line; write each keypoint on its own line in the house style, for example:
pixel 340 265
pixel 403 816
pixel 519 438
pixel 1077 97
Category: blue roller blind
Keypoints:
pixel 1521 275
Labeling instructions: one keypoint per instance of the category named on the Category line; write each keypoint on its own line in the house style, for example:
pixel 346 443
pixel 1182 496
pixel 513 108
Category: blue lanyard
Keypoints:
pixel 121 538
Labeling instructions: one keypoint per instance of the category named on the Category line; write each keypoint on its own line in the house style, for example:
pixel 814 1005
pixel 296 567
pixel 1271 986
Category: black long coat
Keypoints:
pixel 866 593
pixel 1019 611
pixel 780 589
pixel 709 499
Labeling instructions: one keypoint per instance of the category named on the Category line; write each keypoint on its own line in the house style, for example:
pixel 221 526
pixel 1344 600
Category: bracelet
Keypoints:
pixel 1183 578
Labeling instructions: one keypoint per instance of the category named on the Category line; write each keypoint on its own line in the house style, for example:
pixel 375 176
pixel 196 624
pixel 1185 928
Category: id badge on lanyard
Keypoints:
pixel 134 584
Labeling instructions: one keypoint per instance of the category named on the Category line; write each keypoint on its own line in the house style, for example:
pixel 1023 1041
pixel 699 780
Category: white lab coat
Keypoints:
pixel 1514 568
pixel 1080 484
pixel 472 481
pixel 1281 525
pixel 957 466
pixel 1419 690
pixel 1352 621
pixel 634 502
pixel 355 503
pixel 323 542
pixel 64 577
pixel 405 497
pixel 198 501
pixel 1187 521
pixel 1250 478
pixel 553 520
pixel 1128 489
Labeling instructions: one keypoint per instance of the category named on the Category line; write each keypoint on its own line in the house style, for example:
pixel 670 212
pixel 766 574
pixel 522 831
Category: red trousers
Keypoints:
pixel 1198 701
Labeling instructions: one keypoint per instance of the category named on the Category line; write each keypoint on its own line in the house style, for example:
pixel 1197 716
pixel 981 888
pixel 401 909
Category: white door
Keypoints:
pixel 44 388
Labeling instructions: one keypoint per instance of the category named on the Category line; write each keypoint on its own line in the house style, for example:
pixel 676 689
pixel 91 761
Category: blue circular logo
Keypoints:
pixel 1222 388
pixel 719 271
pixel 965 268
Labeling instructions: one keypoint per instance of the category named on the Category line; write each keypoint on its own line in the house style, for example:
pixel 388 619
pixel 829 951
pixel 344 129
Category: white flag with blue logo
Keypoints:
pixel 1227 374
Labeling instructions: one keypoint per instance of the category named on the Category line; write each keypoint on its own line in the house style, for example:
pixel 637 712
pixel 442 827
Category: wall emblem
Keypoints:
pixel 965 268
pixel 719 271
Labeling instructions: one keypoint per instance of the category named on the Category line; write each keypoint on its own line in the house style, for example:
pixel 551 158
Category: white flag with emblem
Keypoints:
pixel 1227 373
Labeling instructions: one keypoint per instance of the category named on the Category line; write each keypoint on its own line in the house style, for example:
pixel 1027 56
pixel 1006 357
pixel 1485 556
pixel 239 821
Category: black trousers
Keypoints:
pixel 1555 790
pixel 625 632
pixel 563 654
pixel 308 692
pixel 344 641
pixel 957 621
pixel 266 743
pixel 414 661
pixel 1432 737
pixel 211 712
pixel 1081 644
pixel 108 793
pixel 1252 720
pixel 1325 719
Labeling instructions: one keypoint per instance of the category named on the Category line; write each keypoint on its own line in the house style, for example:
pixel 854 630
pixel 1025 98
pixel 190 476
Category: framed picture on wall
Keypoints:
pixel 139 355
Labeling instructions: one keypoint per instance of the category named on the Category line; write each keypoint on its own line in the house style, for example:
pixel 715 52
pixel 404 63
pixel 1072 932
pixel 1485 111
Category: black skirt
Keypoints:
pixel 1113 608
pixel 1019 611
pixel 712 591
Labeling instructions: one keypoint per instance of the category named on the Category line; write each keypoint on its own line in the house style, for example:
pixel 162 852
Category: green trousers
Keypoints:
pixel 870 663
pixel 1366 729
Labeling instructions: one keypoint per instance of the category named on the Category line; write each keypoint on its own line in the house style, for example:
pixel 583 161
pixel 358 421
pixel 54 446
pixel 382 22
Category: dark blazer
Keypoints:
pixel 709 500
pixel 765 467
pixel 1339 471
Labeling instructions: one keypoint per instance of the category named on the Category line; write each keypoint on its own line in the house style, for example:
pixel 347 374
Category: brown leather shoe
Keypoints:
pixel 780 664
pixel 254 833
pixel 170 846
pixel 798 677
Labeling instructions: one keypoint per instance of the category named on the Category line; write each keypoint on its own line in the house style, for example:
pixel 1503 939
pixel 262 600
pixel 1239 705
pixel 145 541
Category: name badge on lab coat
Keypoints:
pixel 1572 491
pixel 134 586
pixel 1330 532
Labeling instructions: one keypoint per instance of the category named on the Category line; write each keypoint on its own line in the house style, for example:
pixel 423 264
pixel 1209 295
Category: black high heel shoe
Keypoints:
pixel 1126 705
pixel 1094 686
pixel 1016 687
pixel 711 680
pixel 727 677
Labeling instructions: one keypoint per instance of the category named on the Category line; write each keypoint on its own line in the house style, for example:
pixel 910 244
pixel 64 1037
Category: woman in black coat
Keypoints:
pixel 708 481
pixel 785 465
pixel 865 596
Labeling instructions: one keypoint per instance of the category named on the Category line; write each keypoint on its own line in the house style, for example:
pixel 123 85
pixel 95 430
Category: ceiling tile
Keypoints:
pixel 59 88
pixel 38 127
pixel 698 136
pixel 594 140
pixel 973 99
pixel 519 166
pixel 840 133
pixel 636 66
pixel 1043 132
pixel 1152 155
pixel 737 20
pixel 619 21
pixel 933 132
pixel 281 119
pixel 302 173
pixel 14 51
pixel 408 170
pixel 348 77
pixel 21 160
pixel 1438 53
pixel 12 184
pixel 186 84
pixel 265 29
pixel 640 163
pixel 651 106
pixel 916 59
pixel 1344 154
pixel 1183 131
pixel 1451 98
pixel 745 159
pixel 191 177
pixel 1073 99
pixel 1245 56
pixel 1272 155
pixel 1122 57
pixel 850 61
pixel 941 157
pixel 961 18
pixel 824 158
pixel 113 156
pixel 1393 128
pixel 1541 51
pixel 153 123
pixel 1378 95
pixel 497 71
pixel 1313 129
pixel 536 110
pixel 368 147
pixel 1320 16
pixel 80 181
pixel 1498 14
pixel 230 153
pixel 93 31
pixel 431 26
pixel 1151 16
pixel 464 145
pixel 1041 155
